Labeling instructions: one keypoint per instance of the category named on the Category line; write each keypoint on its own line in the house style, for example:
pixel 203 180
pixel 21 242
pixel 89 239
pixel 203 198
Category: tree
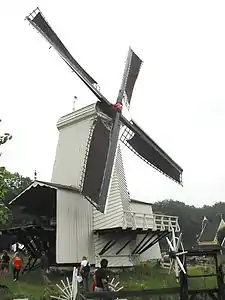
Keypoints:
pixel 15 184
pixel 5 215
pixel 190 218
pixel 11 184
pixel 4 177
pixel 4 210
pixel 5 137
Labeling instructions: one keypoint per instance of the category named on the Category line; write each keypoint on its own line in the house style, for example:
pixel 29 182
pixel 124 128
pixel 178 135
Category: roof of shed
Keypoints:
pixel 39 198
pixel 53 185
pixel 140 202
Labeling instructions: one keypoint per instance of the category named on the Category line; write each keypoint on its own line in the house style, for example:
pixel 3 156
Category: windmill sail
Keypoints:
pixel 131 72
pixel 38 21
pixel 135 138
pixel 143 146
pixel 96 161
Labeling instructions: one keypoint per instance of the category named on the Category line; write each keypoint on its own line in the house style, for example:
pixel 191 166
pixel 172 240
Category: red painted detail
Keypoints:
pixel 118 106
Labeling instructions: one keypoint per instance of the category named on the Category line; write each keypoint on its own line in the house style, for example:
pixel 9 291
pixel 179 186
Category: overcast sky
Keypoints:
pixel 179 98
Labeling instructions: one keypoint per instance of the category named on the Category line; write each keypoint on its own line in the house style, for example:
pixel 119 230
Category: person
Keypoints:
pixel 102 277
pixel 85 273
pixel 16 265
pixel 5 259
pixel 44 264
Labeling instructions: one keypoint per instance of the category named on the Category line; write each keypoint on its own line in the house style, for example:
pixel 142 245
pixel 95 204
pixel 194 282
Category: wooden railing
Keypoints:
pixel 150 221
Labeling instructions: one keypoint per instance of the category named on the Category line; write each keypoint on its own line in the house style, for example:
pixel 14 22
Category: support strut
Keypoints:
pixel 138 245
pixel 152 243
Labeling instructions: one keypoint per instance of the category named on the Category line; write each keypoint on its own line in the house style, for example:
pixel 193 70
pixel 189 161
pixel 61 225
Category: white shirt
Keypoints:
pixel 13 247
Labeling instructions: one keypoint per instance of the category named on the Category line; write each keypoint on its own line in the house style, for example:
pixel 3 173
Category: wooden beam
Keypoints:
pixel 124 246
pixel 159 236
pixel 143 293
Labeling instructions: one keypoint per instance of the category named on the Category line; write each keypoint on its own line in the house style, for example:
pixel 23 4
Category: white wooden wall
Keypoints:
pixel 74 228
pixel 152 253
pixel 118 199
pixel 74 131
pixel 141 208
pixel 76 218
pixel 120 260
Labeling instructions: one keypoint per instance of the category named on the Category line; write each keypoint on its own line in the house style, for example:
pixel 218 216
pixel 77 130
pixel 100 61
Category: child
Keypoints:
pixel 17 266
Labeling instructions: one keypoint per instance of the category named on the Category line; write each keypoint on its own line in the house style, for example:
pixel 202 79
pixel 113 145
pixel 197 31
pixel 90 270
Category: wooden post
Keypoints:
pixel 74 284
pixel 220 278
pixel 184 284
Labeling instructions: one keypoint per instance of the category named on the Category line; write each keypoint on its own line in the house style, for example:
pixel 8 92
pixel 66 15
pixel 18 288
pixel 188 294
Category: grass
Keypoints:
pixel 146 276
pixel 30 286
pixel 150 276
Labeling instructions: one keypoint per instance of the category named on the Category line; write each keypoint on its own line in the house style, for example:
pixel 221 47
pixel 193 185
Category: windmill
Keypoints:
pixel 100 160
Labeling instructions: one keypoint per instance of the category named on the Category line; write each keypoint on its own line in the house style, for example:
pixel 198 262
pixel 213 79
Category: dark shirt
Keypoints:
pixel 44 262
pixel 99 275
pixel 5 259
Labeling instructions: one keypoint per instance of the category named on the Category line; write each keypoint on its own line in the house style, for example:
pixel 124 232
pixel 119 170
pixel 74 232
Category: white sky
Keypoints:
pixel 179 98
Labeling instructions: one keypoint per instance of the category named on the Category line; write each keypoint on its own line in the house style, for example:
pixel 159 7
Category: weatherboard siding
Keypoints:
pixel 113 216
pixel 141 208
pixel 74 237
pixel 122 181
pixel 143 214
pixel 77 219
pixel 123 259
pixel 152 253
pixel 74 131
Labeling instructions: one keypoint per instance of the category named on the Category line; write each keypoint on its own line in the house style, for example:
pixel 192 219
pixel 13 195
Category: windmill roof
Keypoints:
pixel 140 202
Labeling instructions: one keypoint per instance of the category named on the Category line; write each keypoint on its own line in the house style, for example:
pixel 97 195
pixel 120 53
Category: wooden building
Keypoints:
pixel 127 233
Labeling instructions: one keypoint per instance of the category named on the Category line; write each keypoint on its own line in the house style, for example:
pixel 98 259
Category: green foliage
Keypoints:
pixel 4 211
pixel 4 177
pixel 150 276
pixel 11 184
pixel 30 286
pixel 146 276
pixel 5 214
pixel 15 184
pixel 190 217
pixel 5 137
